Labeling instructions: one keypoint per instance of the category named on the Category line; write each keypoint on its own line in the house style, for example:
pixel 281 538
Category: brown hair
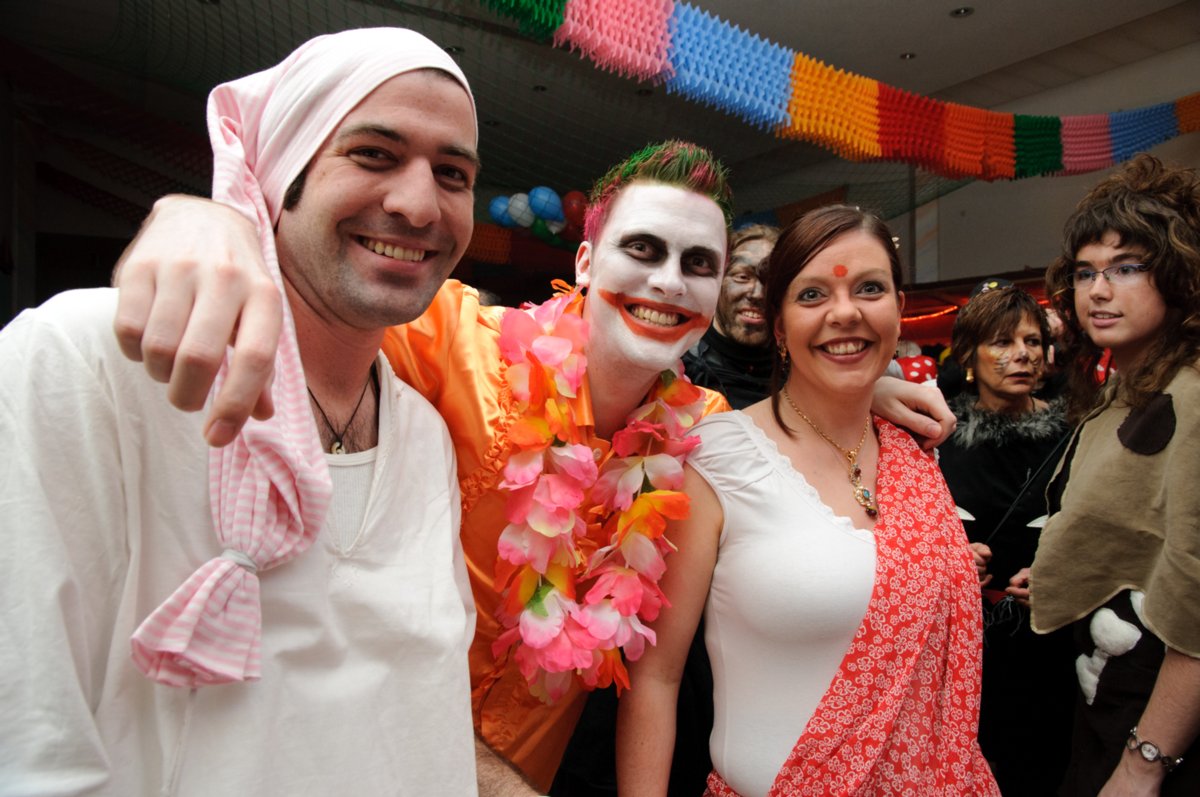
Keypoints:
pixel 754 232
pixel 1151 207
pixel 801 241
pixel 991 314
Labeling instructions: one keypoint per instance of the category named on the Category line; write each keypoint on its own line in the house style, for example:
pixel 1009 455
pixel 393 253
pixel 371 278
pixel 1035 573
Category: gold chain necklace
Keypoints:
pixel 861 494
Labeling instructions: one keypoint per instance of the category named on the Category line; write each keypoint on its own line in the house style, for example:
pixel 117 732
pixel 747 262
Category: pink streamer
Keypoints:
pixel 629 37
pixel 1087 145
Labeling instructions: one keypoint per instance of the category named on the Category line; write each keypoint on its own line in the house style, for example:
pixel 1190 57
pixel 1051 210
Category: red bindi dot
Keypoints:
pixel 839 270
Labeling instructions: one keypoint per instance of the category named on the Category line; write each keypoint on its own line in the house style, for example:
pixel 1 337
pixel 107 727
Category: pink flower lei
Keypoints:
pixel 581 557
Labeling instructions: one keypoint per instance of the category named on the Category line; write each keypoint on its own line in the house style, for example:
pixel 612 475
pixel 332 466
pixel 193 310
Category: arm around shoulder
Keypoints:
pixel 920 409
pixel 192 282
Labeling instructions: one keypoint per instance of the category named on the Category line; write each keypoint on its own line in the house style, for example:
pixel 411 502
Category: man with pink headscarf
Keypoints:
pixel 321 646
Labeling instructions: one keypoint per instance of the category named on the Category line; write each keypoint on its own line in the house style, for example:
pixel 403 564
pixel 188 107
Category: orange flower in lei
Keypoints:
pixel 581 557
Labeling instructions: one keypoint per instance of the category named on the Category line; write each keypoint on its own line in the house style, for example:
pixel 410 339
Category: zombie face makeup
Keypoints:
pixel 653 277
pixel 740 311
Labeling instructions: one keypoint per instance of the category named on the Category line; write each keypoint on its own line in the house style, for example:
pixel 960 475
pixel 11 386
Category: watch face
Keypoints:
pixel 1149 751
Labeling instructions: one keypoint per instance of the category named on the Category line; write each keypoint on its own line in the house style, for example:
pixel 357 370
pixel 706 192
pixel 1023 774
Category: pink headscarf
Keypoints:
pixel 270 488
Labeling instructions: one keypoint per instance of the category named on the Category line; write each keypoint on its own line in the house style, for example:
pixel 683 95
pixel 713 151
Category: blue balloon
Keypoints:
pixel 546 204
pixel 498 210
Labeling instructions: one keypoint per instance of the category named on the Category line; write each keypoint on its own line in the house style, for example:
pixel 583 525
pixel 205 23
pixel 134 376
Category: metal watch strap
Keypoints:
pixel 1151 752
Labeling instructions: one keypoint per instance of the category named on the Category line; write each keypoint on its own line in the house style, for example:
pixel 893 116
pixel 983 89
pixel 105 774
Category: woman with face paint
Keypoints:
pixel 1119 560
pixel 997 465
pixel 839 595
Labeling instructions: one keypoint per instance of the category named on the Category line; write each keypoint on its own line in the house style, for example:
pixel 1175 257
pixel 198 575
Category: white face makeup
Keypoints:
pixel 840 319
pixel 653 276
pixel 387 206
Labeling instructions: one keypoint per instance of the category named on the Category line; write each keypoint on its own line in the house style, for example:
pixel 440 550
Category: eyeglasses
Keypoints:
pixel 1124 274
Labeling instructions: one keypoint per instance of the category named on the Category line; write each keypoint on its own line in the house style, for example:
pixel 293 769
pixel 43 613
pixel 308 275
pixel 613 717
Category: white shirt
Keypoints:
pixel 790 588
pixel 105 511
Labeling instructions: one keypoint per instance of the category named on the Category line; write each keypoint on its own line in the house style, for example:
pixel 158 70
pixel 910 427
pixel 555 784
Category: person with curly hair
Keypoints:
pixel 1119 558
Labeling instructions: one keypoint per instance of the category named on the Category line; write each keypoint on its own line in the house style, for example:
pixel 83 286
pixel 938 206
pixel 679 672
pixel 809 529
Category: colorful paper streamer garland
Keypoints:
pixel 708 60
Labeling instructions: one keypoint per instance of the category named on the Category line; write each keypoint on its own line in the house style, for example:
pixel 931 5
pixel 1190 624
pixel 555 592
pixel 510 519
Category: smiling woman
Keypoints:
pixel 813 525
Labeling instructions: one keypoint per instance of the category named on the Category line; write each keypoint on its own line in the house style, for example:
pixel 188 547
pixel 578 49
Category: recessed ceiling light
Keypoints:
pixel 453 49
pixel 539 88
pixel 962 11
pixel 907 56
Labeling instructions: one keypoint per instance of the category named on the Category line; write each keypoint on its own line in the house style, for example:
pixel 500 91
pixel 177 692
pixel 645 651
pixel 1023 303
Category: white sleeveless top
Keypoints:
pixel 790 588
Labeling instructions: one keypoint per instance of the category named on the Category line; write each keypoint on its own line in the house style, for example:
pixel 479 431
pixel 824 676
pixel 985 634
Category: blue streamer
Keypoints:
pixel 728 68
pixel 1140 129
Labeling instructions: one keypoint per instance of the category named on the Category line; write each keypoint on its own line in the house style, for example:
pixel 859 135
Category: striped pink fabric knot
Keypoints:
pixel 163 647
pixel 270 489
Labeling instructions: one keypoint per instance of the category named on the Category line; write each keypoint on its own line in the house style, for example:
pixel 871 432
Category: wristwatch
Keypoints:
pixel 1150 752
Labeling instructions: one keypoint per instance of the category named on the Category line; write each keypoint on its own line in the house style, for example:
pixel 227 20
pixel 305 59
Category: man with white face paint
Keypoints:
pixel 353 615
pixel 652 266
pixel 652 263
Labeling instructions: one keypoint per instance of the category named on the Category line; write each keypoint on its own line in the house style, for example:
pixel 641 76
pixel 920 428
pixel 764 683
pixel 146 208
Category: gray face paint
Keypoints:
pixel 1003 360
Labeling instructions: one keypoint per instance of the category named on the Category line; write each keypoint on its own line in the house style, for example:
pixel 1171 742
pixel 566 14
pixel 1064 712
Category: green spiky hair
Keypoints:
pixel 678 163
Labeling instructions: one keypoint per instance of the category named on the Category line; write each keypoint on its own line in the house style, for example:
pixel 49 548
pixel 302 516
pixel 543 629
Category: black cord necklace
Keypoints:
pixel 337 447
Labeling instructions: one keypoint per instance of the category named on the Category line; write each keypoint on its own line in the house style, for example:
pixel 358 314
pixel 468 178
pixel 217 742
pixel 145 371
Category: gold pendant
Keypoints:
pixel 861 494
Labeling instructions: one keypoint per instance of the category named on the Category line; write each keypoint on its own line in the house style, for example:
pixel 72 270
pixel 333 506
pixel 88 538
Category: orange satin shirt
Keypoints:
pixel 451 354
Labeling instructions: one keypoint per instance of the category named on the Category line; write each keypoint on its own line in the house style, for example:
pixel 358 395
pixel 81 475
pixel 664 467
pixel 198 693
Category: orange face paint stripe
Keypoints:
pixel 691 323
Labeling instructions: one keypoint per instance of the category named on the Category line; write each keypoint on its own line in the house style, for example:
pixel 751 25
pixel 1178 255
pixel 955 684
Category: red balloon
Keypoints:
pixel 574 205
pixel 572 232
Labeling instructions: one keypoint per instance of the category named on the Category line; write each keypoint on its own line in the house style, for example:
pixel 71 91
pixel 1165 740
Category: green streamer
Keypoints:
pixel 537 19
pixel 1038 141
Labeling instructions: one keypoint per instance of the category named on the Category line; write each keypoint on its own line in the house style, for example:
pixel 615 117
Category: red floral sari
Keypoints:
pixel 901 715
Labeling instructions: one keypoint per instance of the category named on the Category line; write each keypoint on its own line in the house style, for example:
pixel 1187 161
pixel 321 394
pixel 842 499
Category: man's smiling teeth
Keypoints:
pixel 654 316
pixel 394 252
pixel 845 347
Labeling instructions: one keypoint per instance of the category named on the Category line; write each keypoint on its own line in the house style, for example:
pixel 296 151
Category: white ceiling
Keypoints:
pixel 161 57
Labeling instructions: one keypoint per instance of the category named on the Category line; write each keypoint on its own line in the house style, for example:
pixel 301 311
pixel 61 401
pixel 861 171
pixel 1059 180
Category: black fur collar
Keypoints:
pixel 978 427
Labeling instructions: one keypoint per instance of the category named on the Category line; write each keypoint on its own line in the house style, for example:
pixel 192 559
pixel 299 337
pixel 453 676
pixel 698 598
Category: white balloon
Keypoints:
pixel 556 226
pixel 519 210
